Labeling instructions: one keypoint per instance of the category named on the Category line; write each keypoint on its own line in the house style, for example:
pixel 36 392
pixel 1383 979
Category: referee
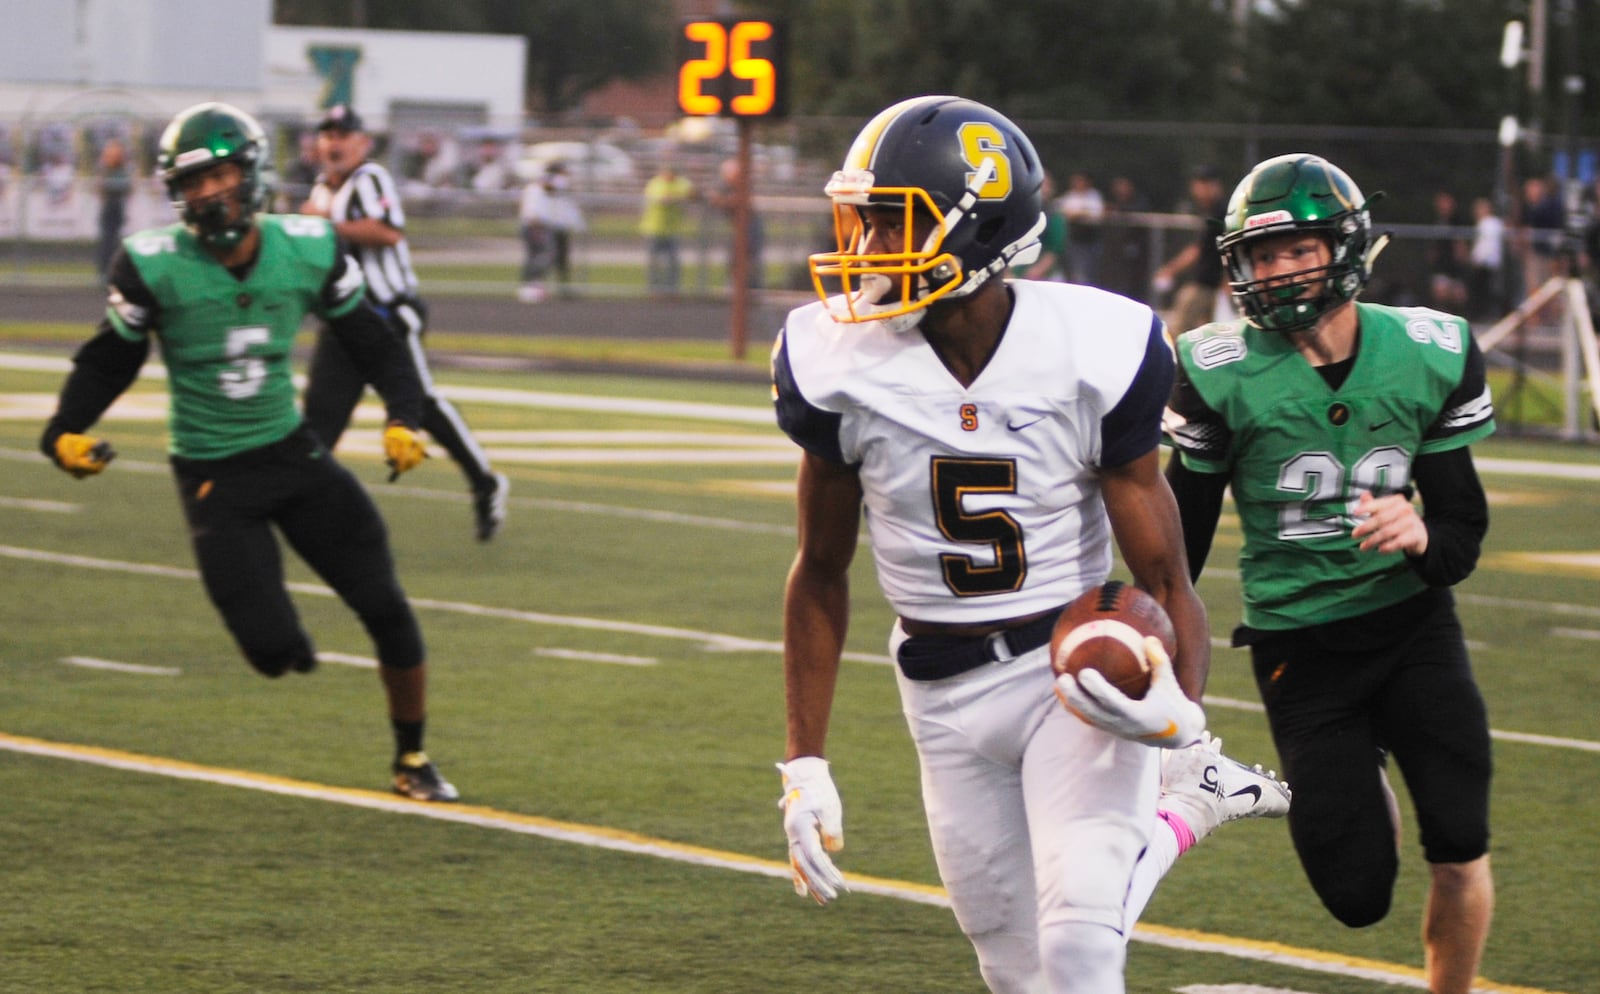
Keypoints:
pixel 361 199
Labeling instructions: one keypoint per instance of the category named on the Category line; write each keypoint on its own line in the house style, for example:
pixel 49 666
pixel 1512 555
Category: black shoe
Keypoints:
pixel 416 777
pixel 489 506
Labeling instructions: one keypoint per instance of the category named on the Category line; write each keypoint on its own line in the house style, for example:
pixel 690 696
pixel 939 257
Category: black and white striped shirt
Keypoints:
pixel 369 191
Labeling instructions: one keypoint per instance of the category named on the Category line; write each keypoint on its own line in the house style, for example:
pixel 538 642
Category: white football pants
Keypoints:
pixel 1037 821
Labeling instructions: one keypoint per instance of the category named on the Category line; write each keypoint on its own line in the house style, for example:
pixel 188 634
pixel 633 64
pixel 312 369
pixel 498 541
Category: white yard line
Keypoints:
pixel 706 641
pixel 140 669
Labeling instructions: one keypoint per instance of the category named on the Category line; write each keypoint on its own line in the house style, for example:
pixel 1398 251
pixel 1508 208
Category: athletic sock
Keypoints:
pixel 407 736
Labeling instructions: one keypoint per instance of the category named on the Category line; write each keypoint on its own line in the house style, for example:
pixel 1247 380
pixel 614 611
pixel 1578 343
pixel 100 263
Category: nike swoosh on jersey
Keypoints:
pixel 1025 424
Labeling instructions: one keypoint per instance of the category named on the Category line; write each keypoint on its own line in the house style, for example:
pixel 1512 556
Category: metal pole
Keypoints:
pixel 739 265
pixel 1538 23
pixel 1571 369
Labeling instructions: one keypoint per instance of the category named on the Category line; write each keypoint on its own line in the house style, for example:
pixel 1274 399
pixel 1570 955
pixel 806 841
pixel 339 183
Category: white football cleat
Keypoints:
pixel 1208 789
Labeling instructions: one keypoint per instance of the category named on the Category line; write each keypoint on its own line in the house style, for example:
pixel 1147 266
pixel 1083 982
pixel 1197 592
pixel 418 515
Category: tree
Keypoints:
pixel 1081 59
pixel 1392 63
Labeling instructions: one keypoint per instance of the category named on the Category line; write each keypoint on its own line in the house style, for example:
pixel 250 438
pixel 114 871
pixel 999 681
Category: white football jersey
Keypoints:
pixel 982 502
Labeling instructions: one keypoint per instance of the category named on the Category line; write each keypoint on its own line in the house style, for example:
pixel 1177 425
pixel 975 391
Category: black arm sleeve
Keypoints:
pixel 378 350
pixel 1199 497
pixel 1456 513
pixel 103 368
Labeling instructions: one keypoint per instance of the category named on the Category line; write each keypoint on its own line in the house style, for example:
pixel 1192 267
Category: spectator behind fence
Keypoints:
pixel 1591 236
pixel 490 174
pixel 1085 209
pixel 549 216
pixel 115 183
pixel 1125 251
pixel 663 225
pixel 299 176
pixel 434 163
pixel 1486 278
pixel 1051 264
pixel 725 198
pixel 1197 263
pixel 1447 257
pixel 1542 231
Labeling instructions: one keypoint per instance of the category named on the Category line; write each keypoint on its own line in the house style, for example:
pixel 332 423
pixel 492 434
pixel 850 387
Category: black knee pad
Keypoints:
pixel 1355 904
pixel 399 641
pixel 390 623
pixel 300 658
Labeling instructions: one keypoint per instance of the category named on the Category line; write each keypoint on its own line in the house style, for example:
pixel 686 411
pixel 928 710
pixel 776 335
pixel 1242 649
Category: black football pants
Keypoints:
pixel 1341 697
pixel 232 506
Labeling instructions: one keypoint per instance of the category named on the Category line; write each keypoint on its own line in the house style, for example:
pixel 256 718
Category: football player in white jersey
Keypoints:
pixel 1000 434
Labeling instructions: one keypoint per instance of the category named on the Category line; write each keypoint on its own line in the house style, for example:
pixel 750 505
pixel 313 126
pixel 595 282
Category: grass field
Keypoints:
pixel 607 695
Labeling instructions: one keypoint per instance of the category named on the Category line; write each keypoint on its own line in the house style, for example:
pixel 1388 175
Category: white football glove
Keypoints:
pixel 813 819
pixel 1164 717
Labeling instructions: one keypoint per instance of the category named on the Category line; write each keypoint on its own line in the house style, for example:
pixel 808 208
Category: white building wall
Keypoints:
pixel 137 56
pixel 400 67
pixel 77 66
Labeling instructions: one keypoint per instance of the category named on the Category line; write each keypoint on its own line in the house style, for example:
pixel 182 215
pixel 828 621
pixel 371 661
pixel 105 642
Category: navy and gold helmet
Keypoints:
pixel 1293 194
pixel 964 165
pixel 201 137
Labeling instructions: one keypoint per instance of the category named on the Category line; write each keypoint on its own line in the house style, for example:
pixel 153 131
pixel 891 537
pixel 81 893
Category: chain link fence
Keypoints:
pixel 461 190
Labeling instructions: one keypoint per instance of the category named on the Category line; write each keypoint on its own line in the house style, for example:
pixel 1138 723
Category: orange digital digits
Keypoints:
pixel 731 68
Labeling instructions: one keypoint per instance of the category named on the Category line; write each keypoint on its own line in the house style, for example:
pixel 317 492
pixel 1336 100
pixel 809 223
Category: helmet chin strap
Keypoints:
pixel 952 218
pixel 1378 245
pixel 1024 251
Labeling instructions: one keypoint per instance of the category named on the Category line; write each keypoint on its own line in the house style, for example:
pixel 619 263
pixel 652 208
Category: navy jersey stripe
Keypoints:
pixel 1133 426
pixel 813 429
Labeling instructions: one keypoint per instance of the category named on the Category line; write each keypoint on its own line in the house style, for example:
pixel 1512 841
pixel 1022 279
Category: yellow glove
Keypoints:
pixel 402 450
pixel 83 455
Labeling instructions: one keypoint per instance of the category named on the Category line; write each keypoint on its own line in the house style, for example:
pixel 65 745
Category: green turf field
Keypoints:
pixel 607 695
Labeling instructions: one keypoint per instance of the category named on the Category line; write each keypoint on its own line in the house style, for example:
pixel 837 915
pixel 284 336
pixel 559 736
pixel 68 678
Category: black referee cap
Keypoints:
pixel 340 117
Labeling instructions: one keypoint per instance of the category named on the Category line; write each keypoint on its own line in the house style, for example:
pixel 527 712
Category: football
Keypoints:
pixel 1104 630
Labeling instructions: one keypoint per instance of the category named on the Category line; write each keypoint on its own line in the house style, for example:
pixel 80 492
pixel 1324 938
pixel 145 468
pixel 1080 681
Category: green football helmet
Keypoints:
pixel 200 138
pixel 1293 194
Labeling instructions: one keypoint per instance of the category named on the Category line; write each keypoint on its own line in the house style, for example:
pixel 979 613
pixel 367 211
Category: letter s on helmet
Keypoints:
pixel 959 162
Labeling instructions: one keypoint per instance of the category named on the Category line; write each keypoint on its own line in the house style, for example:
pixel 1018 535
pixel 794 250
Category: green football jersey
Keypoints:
pixel 226 340
pixel 1298 452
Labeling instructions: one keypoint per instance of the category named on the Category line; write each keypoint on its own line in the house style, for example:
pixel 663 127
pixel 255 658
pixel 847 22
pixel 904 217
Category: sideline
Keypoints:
pixel 618 840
